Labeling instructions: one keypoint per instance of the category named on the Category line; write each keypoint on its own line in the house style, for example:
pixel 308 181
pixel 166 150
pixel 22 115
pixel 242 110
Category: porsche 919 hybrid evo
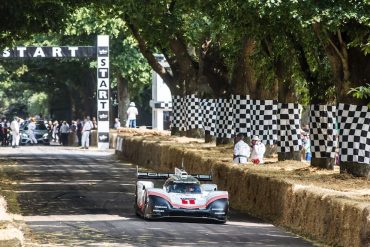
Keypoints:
pixel 182 195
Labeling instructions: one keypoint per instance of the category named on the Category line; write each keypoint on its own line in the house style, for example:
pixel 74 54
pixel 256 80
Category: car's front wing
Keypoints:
pixel 159 208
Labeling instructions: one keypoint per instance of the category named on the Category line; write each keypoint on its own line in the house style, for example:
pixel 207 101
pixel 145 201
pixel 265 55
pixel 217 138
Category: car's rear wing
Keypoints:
pixel 161 175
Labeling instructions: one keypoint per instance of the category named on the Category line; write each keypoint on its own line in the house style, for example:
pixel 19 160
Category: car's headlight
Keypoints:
pixel 46 135
pixel 24 135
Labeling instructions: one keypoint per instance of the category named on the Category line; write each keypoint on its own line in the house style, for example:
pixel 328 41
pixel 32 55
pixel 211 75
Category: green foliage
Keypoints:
pixel 124 54
pixel 285 32
pixel 37 103
pixel 362 92
pixel 78 26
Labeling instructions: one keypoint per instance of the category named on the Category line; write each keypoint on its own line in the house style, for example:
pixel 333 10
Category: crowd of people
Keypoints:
pixel 76 132
pixel 254 152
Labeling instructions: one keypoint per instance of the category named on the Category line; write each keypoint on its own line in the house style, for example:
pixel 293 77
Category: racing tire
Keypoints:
pixel 137 213
pixel 145 212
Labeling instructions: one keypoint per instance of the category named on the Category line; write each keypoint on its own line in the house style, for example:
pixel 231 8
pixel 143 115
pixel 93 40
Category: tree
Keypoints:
pixel 129 71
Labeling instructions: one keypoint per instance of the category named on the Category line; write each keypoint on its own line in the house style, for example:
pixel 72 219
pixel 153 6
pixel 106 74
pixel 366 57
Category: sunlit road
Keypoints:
pixel 73 197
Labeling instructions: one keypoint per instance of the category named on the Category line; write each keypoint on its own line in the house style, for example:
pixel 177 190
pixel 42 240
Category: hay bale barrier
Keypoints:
pixel 11 227
pixel 282 193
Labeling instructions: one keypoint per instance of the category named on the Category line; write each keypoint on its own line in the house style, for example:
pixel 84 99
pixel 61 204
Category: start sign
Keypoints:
pixel 103 91
pixel 49 51
pixel 102 53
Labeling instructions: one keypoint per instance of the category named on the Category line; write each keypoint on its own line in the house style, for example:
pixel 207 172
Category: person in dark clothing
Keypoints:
pixel 4 125
pixel 79 132
pixel 2 136
pixel 64 131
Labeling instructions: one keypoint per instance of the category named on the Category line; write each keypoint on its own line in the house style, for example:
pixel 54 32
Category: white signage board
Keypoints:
pixel 102 93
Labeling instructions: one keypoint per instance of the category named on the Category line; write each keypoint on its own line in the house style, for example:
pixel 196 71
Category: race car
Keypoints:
pixel 182 195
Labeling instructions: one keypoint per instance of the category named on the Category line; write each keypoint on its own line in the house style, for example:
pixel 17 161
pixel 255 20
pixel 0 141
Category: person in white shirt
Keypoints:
pixel 131 115
pixel 55 133
pixel 87 126
pixel 31 131
pixel 258 150
pixel 117 124
pixel 14 127
pixel 241 150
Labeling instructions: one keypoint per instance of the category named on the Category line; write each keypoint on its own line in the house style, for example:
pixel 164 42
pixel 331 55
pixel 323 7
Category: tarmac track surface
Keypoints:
pixel 73 197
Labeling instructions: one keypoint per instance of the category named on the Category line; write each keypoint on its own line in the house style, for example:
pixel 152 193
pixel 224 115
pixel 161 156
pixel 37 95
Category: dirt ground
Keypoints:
pixel 299 172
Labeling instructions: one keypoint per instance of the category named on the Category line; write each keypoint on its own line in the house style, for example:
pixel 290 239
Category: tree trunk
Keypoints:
pixel 243 80
pixel 123 97
pixel 324 163
pixel 356 169
pixel 350 68
pixel 224 141
pixel 175 131
pixel 195 133
pixel 294 155
pixel 208 138
pixel 286 94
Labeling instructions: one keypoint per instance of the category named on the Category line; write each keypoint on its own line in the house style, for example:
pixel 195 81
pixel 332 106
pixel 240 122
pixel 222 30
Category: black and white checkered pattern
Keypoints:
pixel 209 115
pixel 264 120
pixel 193 112
pixel 224 124
pixel 323 134
pixel 241 114
pixel 163 105
pixel 354 133
pixel 178 116
pixel 288 120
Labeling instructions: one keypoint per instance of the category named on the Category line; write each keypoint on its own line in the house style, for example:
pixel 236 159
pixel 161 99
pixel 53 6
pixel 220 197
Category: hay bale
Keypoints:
pixel 11 233
pixel 328 215
pixel 263 191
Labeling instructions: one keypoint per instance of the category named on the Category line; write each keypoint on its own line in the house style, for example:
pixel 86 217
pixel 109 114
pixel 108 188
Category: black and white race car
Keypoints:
pixel 182 195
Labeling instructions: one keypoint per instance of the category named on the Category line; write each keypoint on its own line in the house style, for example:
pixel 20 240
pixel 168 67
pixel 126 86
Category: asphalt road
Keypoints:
pixel 74 197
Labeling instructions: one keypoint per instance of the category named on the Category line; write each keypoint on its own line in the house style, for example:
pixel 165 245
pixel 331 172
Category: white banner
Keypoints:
pixel 103 91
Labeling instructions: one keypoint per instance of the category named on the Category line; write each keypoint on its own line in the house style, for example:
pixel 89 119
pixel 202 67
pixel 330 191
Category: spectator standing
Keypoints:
pixel 87 127
pixel 59 133
pixel 2 133
pixel 258 151
pixel 117 124
pixel 14 127
pixel 241 150
pixel 79 132
pixel 64 131
pixel 31 131
pixel 55 134
pixel 307 147
pixel 7 133
pixel 132 112
pixel 73 133
pixel 94 123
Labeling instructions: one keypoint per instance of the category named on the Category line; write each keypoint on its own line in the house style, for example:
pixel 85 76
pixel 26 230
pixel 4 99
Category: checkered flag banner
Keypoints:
pixel 178 116
pixel 193 112
pixel 354 133
pixel 163 105
pixel 323 134
pixel 209 115
pixel 288 126
pixel 263 115
pixel 224 123
pixel 241 114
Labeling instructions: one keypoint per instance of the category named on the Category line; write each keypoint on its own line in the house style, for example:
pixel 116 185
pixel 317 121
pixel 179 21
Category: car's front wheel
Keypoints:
pixel 146 213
